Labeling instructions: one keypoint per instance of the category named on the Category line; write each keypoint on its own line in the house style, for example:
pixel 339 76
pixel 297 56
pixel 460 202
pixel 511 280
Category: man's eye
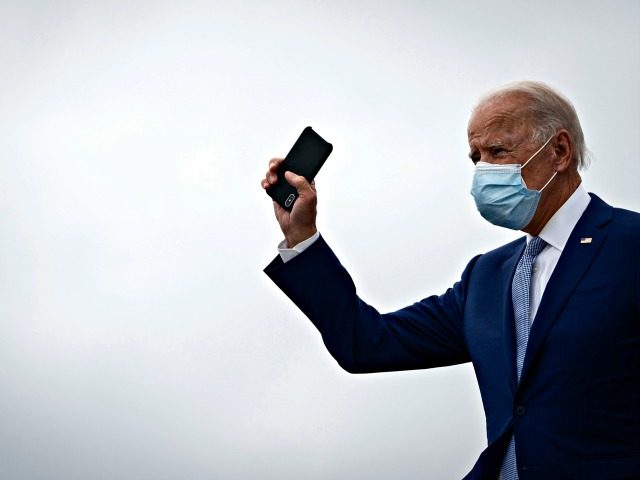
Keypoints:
pixel 498 151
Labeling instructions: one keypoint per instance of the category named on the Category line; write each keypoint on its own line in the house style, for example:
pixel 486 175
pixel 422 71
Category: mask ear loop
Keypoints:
pixel 537 152
pixel 534 156
pixel 552 177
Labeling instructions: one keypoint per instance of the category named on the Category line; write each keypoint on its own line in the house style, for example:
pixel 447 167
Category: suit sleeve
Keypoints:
pixel 427 334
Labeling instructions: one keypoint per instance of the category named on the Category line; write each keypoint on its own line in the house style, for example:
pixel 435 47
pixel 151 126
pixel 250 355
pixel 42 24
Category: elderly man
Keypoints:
pixel 550 321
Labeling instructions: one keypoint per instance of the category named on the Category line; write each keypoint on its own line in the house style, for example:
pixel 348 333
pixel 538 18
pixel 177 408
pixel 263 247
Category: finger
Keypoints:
pixel 299 183
pixel 274 163
pixel 270 178
pixel 271 175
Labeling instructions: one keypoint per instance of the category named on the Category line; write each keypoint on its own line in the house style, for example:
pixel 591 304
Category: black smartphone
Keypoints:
pixel 306 157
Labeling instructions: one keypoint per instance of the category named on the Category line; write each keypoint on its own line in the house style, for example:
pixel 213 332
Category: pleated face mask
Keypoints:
pixel 501 195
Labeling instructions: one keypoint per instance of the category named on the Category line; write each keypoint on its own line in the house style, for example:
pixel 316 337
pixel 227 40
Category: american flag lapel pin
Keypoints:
pixel 585 240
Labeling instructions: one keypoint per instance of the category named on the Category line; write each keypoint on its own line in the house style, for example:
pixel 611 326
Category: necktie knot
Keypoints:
pixel 534 247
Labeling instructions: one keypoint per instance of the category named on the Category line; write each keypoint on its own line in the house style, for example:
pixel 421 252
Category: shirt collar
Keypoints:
pixel 557 230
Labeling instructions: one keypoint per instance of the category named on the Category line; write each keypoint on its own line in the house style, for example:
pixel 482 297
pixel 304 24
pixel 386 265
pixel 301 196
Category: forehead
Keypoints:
pixel 502 117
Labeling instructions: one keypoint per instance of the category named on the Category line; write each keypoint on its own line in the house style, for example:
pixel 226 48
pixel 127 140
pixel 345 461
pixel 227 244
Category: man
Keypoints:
pixel 551 321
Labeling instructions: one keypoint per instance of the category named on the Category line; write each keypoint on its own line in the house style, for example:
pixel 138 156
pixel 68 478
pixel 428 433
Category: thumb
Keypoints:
pixel 299 183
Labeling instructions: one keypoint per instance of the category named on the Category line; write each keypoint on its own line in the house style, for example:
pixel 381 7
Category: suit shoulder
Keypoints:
pixel 499 254
pixel 624 232
pixel 506 249
pixel 625 227
pixel 601 213
pixel 626 220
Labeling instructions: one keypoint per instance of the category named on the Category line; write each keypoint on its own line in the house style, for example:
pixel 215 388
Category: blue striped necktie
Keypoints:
pixel 520 289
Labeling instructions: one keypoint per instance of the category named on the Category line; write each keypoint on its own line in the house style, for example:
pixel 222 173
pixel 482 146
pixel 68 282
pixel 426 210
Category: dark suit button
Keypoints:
pixel 520 410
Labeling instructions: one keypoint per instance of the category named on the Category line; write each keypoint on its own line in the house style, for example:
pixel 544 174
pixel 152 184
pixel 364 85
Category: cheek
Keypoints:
pixel 537 176
pixel 530 179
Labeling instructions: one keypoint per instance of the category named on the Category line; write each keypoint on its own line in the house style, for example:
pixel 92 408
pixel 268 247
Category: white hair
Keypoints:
pixel 550 111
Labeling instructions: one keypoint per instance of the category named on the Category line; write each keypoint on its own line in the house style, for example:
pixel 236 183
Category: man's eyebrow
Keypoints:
pixel 490 144
pixel 497 143
pixel 502 143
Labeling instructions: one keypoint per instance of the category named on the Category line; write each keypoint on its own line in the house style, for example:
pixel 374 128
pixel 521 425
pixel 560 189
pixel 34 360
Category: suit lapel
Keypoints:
pixel 572 265
pixel 508 322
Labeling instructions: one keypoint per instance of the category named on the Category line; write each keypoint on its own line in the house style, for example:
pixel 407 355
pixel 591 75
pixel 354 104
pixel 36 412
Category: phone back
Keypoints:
pixel 305 158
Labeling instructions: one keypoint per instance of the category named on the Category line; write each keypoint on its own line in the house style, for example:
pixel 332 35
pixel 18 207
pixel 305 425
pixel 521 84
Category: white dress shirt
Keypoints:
pixel 556 233
pixel 288 253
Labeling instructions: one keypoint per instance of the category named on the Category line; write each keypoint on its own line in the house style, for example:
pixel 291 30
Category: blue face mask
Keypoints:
pixel 501 195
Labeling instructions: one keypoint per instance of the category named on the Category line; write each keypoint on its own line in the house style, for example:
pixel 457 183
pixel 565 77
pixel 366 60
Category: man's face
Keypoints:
pixel 499 132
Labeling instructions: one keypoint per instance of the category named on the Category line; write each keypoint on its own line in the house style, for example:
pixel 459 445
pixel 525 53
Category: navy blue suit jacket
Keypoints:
pixel 576 412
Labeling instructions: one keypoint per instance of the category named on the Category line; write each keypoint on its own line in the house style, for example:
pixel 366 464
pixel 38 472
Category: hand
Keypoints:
pixel 300 223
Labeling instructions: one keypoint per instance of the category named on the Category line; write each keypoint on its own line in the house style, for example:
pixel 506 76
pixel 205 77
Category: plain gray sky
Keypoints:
pixel 139 337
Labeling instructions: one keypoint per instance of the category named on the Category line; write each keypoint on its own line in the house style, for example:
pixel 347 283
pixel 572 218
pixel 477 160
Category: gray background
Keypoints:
pixel 139 337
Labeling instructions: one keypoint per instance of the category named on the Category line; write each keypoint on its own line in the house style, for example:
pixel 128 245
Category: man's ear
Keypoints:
pixel 563 149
